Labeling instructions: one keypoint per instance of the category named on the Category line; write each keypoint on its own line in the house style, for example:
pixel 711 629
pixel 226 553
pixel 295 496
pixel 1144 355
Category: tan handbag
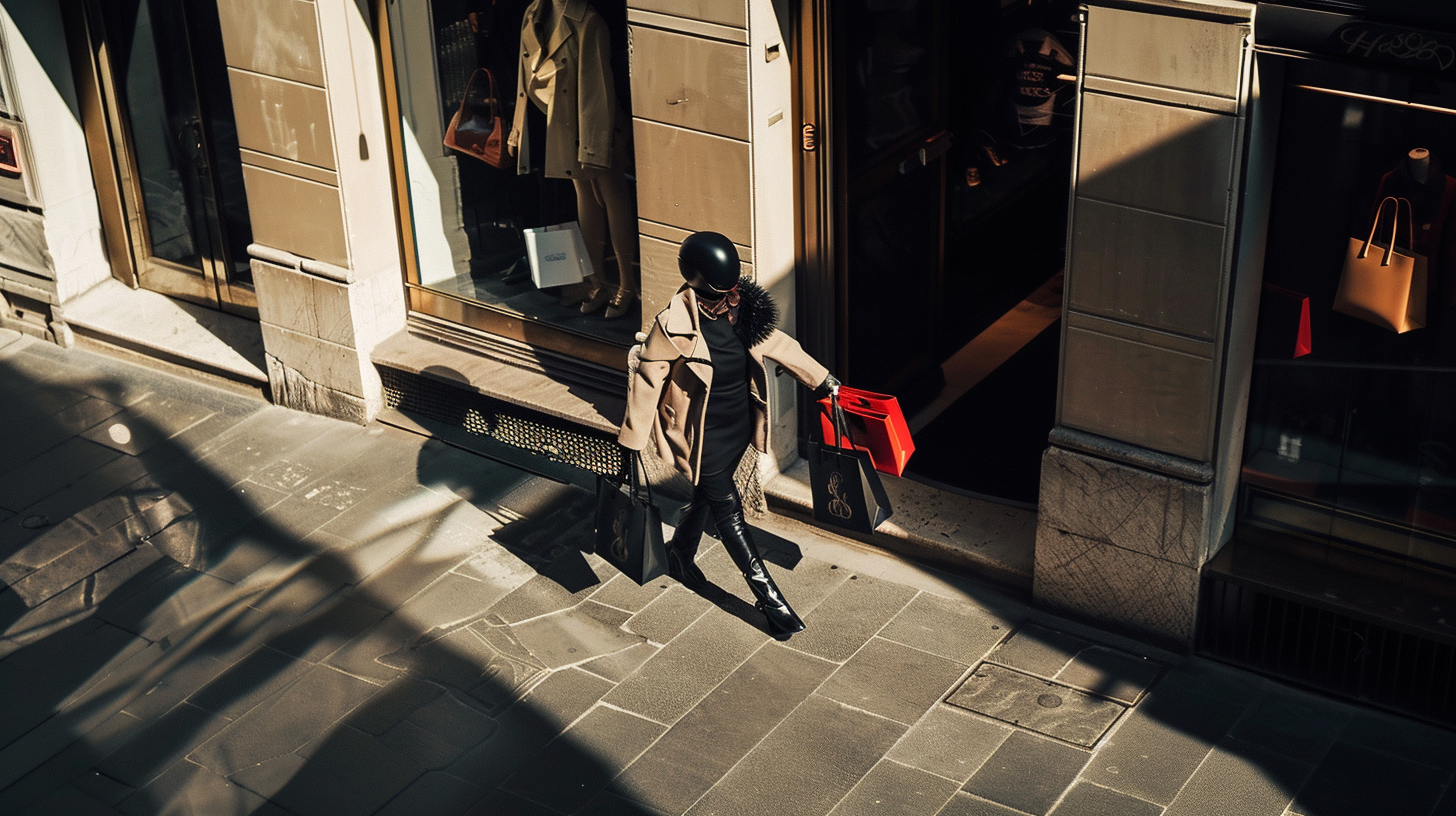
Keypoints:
pixel 477 129
pixel 1387 288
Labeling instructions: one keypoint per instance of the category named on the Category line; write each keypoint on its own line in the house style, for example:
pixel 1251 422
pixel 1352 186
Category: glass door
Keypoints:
pixel 171 120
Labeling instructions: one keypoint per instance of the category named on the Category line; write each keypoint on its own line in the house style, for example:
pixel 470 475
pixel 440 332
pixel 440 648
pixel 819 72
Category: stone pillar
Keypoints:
pixel 326 263
pixel 1137 488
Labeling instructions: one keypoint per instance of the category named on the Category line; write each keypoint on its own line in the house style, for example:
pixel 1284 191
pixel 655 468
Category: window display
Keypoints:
pixel 1352 419
pixel 518 152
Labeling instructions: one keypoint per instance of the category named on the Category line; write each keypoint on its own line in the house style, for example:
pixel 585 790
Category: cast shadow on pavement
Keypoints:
pixel 169 646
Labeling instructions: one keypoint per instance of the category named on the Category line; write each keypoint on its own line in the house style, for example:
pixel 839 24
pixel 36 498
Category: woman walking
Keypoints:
pixel 698 388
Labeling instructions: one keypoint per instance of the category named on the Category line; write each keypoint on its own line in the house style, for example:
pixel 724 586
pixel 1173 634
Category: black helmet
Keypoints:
pixel 708 260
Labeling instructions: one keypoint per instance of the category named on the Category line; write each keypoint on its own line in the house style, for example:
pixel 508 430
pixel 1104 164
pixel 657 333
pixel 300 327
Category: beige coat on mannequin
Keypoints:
pixel 575 64
pixel 667 390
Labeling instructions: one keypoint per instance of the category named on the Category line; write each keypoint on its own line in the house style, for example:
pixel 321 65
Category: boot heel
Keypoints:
pixel 782 622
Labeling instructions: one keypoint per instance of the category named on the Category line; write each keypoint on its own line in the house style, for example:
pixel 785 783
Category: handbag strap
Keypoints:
pixel 636 484
pixel 840 420
pixel 493 99
pixel 1394 228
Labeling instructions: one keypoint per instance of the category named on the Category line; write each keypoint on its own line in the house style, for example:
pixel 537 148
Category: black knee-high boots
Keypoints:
pixel 728 515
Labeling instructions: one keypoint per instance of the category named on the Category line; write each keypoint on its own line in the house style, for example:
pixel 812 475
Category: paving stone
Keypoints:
pixel 1352 779
pixel 526 727
pixel 51 471
pixel 170 607
pixel 1003 779
pixel 964 804
pixel 463 660
pixel 361 655
pixel 834 746
pixel 950 742
pixel 435 793
pixel 249 682
pixel 951 629
pixel 161 744
pixel 188 788
pixel 576 635
pixel 1202 676
pixel 350 774
pixel 891 789
pixel 393 704
pixel 667 616
pixel 326 628
pixel 1299 725
pixel 1401 737
pixel 71 802
pixel 538 596
pixel 505 803
pixel 450 600
pixel 580 763
pixel 719 731
pixel 686 669
pixel 607 804
pixel 805 586
pixel 400 504
pixel 1086 799
pixel 111 584
pixel 1157 747
pixel 69 764
pixel 1036 704
pixel 101 787
pixel 1111 673
pixel 66 661
pixel 147 422
pixel 182 678
pixel 262 438
pixel 1241 777
pixel 850 616
pixel 624 593
pixel 285 722
pixel 893 680
pixel 618 667
pixel 438 733
pixel 1038 650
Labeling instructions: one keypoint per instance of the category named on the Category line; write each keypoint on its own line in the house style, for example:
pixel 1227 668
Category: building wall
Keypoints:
pixel 53 251
pixel 1135 489
pixel 326 257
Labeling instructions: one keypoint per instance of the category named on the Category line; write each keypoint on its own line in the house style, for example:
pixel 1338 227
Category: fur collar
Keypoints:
pixel 758 315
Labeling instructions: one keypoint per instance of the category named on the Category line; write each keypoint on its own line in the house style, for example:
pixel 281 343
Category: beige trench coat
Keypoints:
pixel 575 62
pixel 667 392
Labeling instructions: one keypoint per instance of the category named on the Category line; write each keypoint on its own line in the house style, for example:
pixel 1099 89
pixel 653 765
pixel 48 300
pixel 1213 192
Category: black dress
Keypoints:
pixel 727 420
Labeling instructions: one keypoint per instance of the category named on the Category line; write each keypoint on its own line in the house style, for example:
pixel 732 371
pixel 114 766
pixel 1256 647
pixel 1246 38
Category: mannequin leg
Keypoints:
pixel 591 216
pixel 733 532
pixel 617 196
pixel 683 547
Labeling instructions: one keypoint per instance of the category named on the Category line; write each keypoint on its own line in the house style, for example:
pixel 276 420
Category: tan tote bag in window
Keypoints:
pixel 1387 287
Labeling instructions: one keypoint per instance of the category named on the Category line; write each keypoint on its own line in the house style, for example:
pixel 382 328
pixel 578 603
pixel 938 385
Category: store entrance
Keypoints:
pixel 940 180
pixel 170 115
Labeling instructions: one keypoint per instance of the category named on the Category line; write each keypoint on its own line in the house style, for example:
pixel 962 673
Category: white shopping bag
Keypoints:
pixel 557 254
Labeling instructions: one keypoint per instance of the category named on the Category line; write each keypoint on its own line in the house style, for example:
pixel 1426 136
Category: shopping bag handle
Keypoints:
pixel 840 420
pixel 1394 228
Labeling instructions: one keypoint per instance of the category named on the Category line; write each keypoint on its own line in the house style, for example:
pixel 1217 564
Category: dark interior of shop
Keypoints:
pixel 977 372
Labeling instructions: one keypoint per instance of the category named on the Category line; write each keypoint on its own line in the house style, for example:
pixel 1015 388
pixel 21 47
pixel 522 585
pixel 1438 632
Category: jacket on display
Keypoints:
pixel 574 64
pixel 668 385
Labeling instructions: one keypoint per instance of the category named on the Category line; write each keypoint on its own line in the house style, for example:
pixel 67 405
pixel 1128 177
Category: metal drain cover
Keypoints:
pixel 1036 704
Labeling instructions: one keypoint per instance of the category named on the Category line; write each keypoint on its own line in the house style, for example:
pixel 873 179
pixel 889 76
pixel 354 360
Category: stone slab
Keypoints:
pixel 1111 673
pixel 950 742
pixel 1036 704
pixel 580 763
pixel 434 792
pixel 835 747
pixel 350 772
pixel 719 731
pixel 576 635
pixel 1003 779
pixel 850 616
pixel 686 670
pixel 190 788
pixel 1352 779
pixel 891 789
pixel 55 469
pixel 1086 799
pixel 951 628
pixel 893 680
pixel 1295 725
pixel 161 744
pixel 1241 777
pixel 1038 650
pixel 668 615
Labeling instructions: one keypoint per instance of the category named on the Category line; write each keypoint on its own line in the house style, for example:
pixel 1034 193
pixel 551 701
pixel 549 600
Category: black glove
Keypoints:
pixel 829 386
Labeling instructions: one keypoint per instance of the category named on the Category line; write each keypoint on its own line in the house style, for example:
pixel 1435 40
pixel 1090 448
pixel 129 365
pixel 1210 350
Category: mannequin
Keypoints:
pixel 1421 178
pixel 698 388
pixel 566 73
pixel 1418 164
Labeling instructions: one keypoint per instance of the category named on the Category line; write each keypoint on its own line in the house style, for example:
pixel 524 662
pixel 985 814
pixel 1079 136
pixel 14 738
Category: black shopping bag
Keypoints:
pixel 846 488
pixel 629 528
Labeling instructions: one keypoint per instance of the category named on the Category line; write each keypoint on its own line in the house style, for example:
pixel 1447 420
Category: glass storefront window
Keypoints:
pixel 1354 442
pixel 472 203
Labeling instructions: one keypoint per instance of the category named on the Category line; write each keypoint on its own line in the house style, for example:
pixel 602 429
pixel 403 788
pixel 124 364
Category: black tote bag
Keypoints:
pixel 847 490
pixel 629 527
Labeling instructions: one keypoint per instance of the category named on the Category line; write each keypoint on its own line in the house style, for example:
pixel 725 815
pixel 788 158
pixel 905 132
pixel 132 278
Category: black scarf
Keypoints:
pixel 754 316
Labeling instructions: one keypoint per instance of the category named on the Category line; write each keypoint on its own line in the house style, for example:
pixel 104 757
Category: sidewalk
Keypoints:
pixel 211 605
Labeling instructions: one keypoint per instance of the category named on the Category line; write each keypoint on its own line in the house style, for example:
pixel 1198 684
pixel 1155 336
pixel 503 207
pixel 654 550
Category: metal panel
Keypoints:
pixel 723 12
pixel 1136 392
pixel 1157 157
pixel 1147 268
pixel 282 118
pixel 690 82
pixel 694 180
pixel 296 215
pixel 275 37
pixel 1174 52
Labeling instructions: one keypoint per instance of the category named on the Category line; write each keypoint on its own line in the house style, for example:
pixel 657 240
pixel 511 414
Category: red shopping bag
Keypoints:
pixel 877 426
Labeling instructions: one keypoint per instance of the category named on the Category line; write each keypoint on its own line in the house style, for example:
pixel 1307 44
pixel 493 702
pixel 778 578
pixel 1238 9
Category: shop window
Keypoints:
pixel 515 131
pixel 1352 420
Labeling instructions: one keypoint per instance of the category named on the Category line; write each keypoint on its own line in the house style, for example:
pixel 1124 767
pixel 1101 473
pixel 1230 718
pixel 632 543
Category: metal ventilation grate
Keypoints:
pixel 1335 652
pixel 555 439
